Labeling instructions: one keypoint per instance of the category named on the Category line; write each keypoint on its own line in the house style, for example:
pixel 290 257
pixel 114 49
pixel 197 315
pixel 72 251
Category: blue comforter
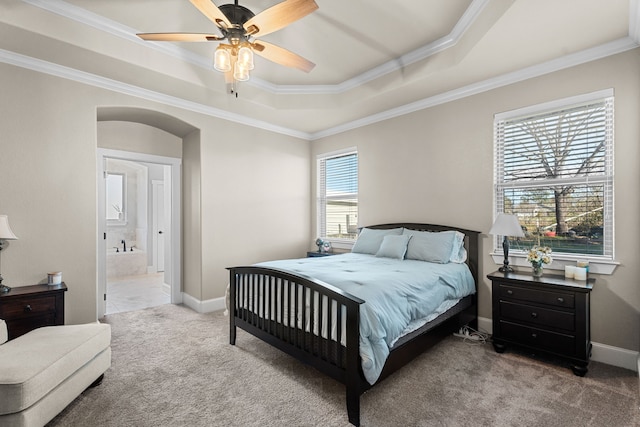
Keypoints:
pixel 396 293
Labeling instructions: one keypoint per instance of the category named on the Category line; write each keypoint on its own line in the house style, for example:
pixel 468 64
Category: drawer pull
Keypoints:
pixel 534 315
pixel 534 335
pixel 561 300
pixel 510 292
pixel 27 307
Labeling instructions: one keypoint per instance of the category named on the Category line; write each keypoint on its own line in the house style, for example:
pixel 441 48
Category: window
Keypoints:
pixel 338 195
pixel 554 171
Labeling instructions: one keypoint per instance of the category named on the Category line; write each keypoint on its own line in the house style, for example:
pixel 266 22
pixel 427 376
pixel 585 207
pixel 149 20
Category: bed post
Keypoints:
pixel 232 306
pixel 353 363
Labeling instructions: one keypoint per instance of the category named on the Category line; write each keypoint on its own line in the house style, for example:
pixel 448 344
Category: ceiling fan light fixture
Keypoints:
pixel 245 57
pixel 240 73
pixel 222 60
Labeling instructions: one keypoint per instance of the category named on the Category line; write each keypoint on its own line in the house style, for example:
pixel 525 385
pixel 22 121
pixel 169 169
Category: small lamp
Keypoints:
pixel 5 234
pixel 508 226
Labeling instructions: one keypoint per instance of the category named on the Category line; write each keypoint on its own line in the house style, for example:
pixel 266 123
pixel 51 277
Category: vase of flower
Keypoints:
pixel 538 256
pixel 536 270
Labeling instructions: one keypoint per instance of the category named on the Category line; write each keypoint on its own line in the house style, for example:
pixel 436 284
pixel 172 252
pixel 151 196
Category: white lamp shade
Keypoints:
pixel 5 230
pixel 240 73
pixel 506 225
pixel 222 60
pixel 245 57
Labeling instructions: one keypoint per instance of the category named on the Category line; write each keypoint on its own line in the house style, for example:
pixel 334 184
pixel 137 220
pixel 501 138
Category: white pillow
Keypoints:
pixel 430 246
pixel 369 240
pixel 393 246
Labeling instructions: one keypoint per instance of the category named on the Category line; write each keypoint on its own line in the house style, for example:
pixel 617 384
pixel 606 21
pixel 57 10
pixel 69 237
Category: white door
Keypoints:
pixel 158 225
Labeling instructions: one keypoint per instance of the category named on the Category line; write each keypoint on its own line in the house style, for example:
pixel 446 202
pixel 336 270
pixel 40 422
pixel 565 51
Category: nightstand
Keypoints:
pixel 549 314
pixel 318 254
pixel 25 308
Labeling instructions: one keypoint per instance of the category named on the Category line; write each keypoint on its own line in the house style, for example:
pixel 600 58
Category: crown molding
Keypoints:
pixel 114 28
pixel 578 58
pixel 612 48
pixel 588 55
pixel 61 71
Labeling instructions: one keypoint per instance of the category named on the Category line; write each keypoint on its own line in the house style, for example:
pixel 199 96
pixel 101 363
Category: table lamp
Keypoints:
pixel 508 226
pixel 5 234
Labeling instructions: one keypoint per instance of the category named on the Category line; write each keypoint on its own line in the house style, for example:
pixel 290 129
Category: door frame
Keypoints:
pixel 154 224
pixel 173 237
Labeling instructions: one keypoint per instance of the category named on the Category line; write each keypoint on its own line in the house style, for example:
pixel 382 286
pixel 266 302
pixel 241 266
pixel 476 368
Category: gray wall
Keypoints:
pixel 436 166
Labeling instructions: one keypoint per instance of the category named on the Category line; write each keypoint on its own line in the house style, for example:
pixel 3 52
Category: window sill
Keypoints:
pixel 597 266
pixel 341 243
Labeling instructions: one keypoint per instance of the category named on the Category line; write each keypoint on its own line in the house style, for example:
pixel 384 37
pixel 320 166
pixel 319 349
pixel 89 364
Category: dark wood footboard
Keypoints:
pixel 291 312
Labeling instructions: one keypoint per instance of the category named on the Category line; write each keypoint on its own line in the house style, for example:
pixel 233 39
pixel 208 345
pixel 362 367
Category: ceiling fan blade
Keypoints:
pixel 212 12
pixel 179 37
pixel 282 56
pixel 279 16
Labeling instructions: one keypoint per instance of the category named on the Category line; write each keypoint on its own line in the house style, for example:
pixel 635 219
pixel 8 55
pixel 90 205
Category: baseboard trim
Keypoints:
pixel 615 356
pixel 207 306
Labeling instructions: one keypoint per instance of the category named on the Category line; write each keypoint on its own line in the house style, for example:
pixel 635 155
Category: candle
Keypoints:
pixel 583 264
pixel 569 271
pixel 580 273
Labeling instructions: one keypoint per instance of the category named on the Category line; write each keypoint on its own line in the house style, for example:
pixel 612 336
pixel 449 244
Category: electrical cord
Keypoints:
pixel 472 336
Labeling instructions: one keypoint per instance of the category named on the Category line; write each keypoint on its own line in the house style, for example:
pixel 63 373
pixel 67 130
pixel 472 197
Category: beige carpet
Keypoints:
pixel 174 367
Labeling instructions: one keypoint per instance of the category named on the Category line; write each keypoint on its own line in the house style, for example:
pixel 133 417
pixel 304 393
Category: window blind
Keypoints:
pixel 554 170
pixel 338 196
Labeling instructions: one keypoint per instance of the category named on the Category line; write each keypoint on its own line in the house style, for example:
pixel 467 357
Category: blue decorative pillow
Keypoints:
pixel 369 240
pixel 393 246
pixel 431 247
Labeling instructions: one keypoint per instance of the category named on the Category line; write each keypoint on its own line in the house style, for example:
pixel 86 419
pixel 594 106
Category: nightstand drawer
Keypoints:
pixel 21 307
pixel 538 316
pixel 538 338
pixel 559 299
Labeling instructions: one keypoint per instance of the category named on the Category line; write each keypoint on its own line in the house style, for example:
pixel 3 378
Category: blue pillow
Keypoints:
pixel 369 240
pixel 430 246
pixel 393 246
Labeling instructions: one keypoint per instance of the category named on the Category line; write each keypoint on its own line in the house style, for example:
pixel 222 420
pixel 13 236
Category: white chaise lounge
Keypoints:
pixel 44 370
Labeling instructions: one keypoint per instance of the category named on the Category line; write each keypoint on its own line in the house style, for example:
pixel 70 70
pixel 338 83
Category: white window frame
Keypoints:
pixel 322 198
pixel 604 264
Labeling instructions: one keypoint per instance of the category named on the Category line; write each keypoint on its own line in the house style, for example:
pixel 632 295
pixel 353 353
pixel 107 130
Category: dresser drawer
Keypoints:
pixel 20 326
pixel 538 316
pixel 558 299
pixel 28 306
pixel 538 338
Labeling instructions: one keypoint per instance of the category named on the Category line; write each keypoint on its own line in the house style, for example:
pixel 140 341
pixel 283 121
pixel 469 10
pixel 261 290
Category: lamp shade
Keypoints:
pixel 5 230
pixel 222 60
pixel 506 225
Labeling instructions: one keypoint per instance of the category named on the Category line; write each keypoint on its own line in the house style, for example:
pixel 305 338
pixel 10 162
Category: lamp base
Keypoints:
pixel 4 289
pixel 506 269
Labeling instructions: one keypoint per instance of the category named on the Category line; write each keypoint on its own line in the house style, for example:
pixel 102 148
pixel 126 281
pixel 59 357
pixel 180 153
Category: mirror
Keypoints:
pixel 115 187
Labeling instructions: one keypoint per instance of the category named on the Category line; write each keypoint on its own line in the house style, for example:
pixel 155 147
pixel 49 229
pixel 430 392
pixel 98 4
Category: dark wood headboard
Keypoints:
pixel 471 240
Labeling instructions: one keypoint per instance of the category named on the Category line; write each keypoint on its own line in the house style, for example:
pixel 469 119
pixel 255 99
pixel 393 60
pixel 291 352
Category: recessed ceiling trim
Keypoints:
pixel 101 23
pixel 608 49
pixel 68 73
pixel 588 55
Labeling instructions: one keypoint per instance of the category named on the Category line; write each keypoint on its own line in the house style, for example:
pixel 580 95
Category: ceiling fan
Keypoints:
pixel 240 27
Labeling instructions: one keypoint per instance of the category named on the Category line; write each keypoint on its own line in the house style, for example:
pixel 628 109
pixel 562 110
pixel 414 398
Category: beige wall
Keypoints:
pixel 138 138
pixel 436 166
pixel 250 195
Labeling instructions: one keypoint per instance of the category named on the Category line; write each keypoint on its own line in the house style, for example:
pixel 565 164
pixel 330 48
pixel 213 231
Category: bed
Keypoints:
pixel 327 325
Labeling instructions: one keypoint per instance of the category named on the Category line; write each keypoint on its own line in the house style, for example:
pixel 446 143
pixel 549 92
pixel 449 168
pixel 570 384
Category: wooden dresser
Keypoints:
pixel 549 314
pixel 26 308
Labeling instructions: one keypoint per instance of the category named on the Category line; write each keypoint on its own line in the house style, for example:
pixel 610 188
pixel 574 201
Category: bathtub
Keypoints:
pixel 130 263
